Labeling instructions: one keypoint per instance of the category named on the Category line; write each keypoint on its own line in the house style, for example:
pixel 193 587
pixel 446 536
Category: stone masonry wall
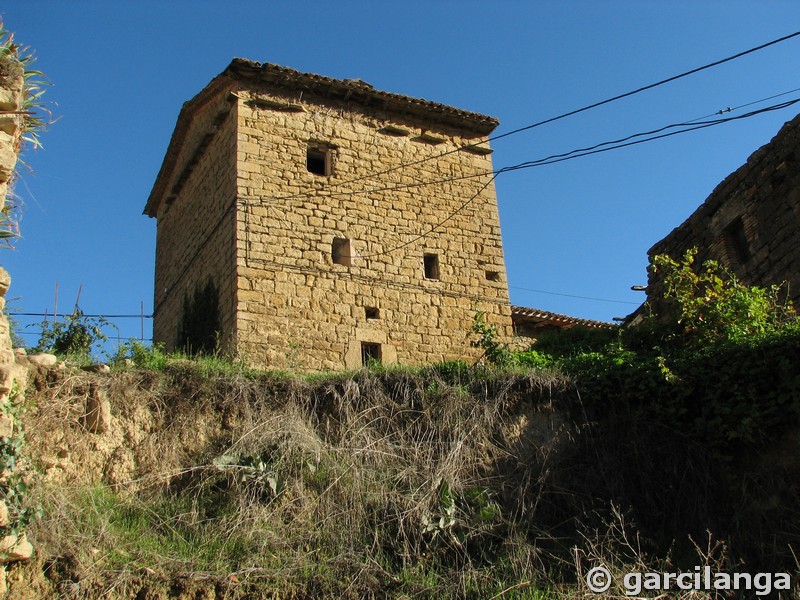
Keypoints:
pixel 13 545
pixel 296 306
pixel 195 238
pixel 751 221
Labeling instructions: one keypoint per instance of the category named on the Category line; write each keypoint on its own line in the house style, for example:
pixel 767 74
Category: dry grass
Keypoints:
pixel 406 483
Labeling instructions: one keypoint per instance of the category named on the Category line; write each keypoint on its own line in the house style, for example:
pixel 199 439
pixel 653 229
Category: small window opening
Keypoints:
pixel 342 252
pixel 318 161
pixel 372 312
pixel 370 353
pixel 493 275
pixel 431 263
pixel 736 241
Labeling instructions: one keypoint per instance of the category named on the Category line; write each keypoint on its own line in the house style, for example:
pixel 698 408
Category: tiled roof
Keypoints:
pixel 357 91
pixel 536 316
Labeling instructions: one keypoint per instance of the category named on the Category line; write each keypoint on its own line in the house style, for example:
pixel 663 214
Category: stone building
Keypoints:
pixel 319 223
pixel 751 221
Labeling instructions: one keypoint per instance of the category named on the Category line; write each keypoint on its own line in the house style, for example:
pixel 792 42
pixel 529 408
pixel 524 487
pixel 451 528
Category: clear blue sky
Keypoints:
pixel 121 70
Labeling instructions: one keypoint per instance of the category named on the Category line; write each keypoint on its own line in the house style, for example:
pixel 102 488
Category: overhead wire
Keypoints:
pixel 547 160
pixel 606 146
pixel 625 142
pixel 514 287
pixel 722 111
pixel 564 115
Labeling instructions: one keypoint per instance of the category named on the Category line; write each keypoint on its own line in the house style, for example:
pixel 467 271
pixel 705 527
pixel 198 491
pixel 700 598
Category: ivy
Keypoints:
pixel 200 329
pixel 13 487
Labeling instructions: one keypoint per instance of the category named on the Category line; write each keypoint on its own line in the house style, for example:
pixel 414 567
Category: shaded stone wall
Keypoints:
pixel 196 237
pixel 296 305
pixel 751 221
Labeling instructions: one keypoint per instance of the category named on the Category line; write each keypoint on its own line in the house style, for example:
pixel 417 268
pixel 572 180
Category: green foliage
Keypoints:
pixel 256 471
pixel 688 398
pixel 200 329
pixel 143 356
pixel 712 305
pixel 13 484
pixel 75 336
pixel 495 352
pixel 166 529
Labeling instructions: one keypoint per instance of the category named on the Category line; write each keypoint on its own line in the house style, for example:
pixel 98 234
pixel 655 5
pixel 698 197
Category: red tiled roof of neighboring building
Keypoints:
pixel 536 316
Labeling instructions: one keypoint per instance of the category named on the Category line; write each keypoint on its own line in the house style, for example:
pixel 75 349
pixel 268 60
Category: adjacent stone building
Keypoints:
pixel 751 221
pixel 320 223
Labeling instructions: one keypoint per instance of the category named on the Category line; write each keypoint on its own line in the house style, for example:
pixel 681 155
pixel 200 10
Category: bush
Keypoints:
pixel 74 337
pixel 711 305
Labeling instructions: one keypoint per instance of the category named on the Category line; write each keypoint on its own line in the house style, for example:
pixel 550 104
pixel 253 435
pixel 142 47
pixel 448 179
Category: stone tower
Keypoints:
pixel 321 223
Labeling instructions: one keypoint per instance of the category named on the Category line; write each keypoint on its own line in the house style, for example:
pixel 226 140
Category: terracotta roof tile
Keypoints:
pixel 536 316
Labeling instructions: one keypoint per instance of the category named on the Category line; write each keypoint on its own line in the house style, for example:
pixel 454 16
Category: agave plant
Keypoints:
pixel 33 112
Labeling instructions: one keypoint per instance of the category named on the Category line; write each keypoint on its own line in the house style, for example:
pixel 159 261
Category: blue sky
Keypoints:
pixel 121 70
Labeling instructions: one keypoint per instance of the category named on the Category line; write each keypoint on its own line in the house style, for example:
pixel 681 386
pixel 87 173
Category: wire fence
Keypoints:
pixel 118 328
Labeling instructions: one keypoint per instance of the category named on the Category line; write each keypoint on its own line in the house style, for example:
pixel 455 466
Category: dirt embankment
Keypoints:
pixel 182 484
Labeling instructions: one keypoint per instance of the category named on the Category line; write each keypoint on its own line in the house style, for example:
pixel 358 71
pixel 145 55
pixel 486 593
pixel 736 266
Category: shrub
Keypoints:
pixel 711 305
pixel 74 337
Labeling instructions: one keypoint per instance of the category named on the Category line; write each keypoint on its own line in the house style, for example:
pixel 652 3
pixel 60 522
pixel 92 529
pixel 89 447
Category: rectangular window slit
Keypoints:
pixel 318 161
pixel 370 353
pixel 372 312
pixel 342 252
pixel 431 264
pixel 736 240
pixel 493 275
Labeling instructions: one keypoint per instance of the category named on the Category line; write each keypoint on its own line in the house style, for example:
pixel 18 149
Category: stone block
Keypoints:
pixel 98 411
pixel 43 359
pixel 5 281
pixel 6 425
pixel 15 548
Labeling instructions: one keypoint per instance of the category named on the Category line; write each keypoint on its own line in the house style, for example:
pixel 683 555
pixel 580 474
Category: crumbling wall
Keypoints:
pixel 13 544
pixel 750 223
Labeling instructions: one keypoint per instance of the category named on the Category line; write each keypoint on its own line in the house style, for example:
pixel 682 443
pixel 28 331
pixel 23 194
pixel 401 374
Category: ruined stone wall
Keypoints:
pixel 195 238
pixel 296 306
pixel 14 545
pixel 751 221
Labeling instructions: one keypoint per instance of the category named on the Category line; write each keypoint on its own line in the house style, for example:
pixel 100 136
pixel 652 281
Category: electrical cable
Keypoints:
pixel 578 152
pixel 569 113
pixel 513 287
pixel 731 109
pixel 617 144
pixel 597 149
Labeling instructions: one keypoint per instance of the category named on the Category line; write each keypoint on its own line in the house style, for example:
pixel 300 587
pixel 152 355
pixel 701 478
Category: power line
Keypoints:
pixel 30 314
pixel 110 338
pixel 566 114
pixel 624 142
pixel 513 287
pixel 731 109
pixel 687 125
pixel 606 146
pixel 650 86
